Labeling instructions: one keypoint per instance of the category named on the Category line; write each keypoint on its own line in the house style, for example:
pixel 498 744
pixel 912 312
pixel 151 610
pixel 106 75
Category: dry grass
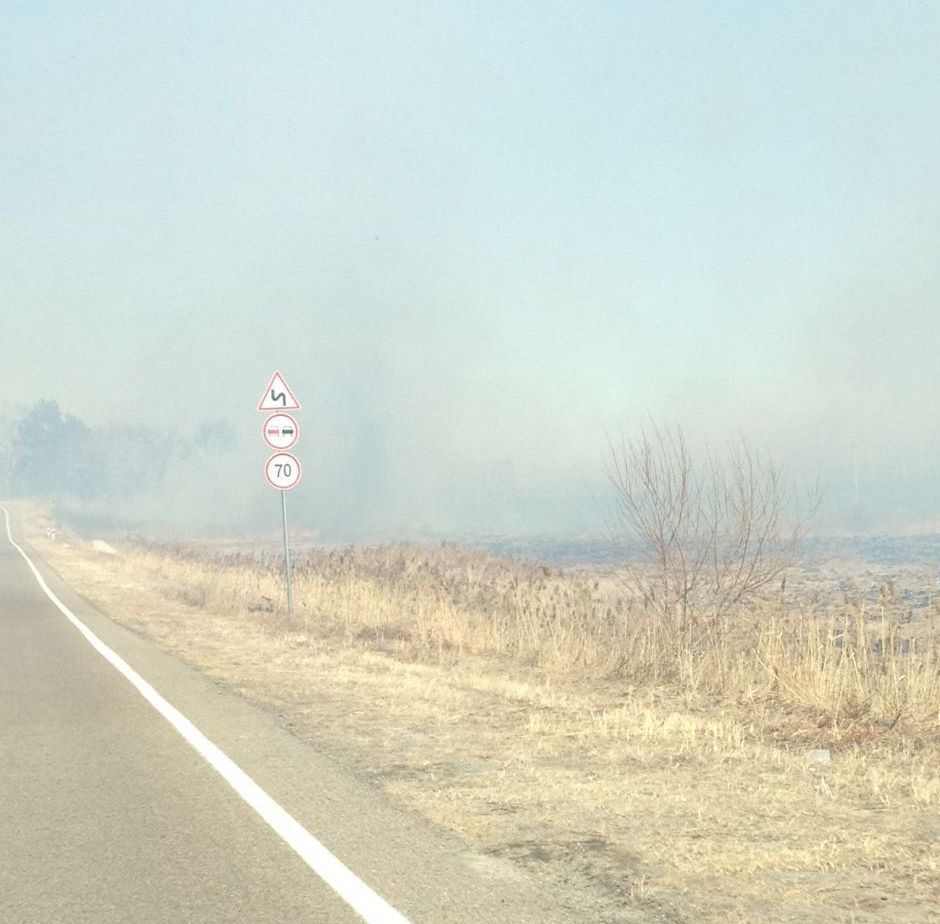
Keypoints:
pixel 546 717
pixel 841 667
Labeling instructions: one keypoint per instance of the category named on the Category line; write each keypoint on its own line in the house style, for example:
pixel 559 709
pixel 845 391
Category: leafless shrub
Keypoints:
pixel 713 533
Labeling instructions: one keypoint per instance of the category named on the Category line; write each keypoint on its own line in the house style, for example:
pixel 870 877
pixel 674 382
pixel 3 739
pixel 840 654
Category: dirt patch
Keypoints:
pixel 630 803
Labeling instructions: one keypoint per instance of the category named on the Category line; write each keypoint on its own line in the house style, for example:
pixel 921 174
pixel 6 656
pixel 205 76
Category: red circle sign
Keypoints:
pixel 280 431
pixel 283 471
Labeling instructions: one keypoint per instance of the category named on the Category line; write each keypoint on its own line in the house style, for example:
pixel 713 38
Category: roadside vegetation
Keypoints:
pixel 48 452
pixel 703 611
pixel 706 734
pixel 843 665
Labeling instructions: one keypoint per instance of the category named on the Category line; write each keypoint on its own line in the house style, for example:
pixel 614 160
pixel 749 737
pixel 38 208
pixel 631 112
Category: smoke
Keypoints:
pixel 476 241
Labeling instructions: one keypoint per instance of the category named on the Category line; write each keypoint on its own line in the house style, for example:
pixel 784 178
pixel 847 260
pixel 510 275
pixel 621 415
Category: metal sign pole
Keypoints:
pixel 287 570
pixel 282 470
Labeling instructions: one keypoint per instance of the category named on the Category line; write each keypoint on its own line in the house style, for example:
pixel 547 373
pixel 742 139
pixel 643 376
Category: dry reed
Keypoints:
pixel 837 665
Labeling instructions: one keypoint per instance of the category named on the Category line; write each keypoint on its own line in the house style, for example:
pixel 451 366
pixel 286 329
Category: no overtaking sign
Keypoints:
pixel 280 431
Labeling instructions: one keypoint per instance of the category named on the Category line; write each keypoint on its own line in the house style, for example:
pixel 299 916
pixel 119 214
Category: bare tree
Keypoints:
pixel 713 532
pixel 7 464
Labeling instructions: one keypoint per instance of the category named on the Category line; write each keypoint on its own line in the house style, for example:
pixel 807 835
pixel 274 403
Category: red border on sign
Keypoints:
pixel 264 396
pixel 264 432
pixel 295 460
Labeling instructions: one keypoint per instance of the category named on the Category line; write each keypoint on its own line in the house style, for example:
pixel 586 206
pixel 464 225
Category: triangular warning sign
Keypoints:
pixel 278 396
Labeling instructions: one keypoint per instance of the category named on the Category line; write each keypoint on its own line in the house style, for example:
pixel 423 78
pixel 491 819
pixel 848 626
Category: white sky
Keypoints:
pixel 477 237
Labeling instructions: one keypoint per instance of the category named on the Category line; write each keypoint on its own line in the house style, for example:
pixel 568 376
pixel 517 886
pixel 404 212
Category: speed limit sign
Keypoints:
pixel 282 471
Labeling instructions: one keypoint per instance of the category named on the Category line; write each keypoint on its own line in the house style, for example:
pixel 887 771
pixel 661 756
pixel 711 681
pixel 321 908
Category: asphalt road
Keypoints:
pixel 108 815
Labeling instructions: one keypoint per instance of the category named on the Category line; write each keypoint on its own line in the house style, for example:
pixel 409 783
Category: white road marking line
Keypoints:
pixel 369 905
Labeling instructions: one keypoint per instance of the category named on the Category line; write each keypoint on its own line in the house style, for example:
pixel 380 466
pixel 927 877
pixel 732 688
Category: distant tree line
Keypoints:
pixel 48 453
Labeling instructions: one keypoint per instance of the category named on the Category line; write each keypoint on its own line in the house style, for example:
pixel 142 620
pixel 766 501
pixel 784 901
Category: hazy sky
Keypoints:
pixel 477 237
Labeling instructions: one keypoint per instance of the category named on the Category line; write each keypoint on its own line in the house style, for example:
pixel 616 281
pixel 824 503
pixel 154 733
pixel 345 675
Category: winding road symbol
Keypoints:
pixel 278 396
